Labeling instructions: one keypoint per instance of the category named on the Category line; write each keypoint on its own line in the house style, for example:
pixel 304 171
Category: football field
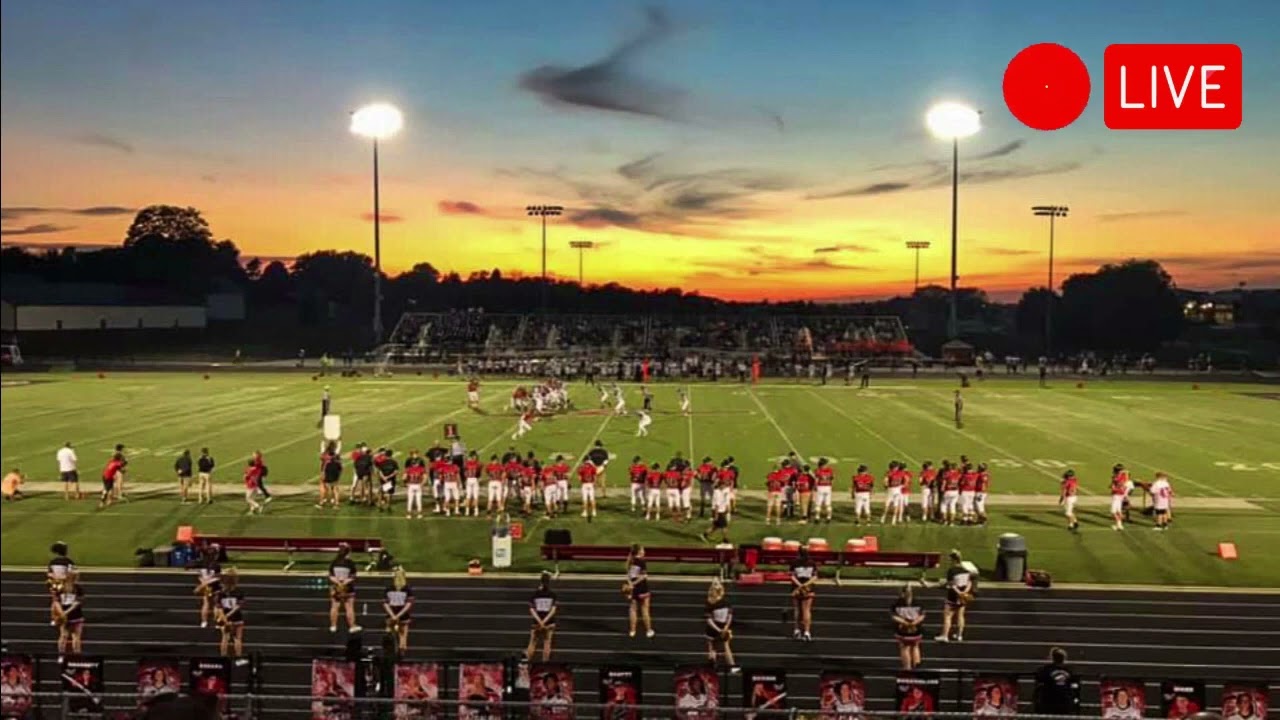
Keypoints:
pixel 1220 445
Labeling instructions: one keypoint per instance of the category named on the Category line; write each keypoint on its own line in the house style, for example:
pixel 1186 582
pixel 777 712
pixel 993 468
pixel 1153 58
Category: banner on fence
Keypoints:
pixel 1244 701
pixel 917 694
pixel 764 690
pixel 82 683
pixel 333 688
pixel 550 692
pixel 697 692
pixel 621 689
pixel 480 691
pixel 157 678
pixel 16 699
pixel 842 695
pixel 1181 698
pixel 1123 698
pixel 995 695
pixel 419 682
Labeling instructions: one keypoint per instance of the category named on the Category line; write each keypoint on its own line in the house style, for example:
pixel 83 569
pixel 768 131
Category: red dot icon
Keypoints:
pixel 1046 86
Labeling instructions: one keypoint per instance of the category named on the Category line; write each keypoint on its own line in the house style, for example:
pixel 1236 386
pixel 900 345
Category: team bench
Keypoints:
pixel 722 557
pixel 752 557
pixel 289 546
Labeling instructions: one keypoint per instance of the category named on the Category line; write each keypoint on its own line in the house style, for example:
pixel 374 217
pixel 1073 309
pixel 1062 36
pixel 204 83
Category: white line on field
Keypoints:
pixel 769 416
pixel 866 428
pixel 582 456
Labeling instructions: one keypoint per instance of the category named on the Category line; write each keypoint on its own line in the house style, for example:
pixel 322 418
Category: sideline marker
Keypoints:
pixel 1227 551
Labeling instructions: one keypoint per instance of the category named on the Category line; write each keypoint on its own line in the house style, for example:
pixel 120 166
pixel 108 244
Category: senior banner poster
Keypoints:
pixel 621 690
pixel 333 689
pixel 697 692
pixel 480 691
pixel 419 685
pixel 550 691
pixel 995 695
pixel 82 684
pixel 1181 698
pixel 210 680
pixel 1123 698
pixel 17 701
pixel 157 678
pixel 764 690
pixel 917 694
pixel 1244 701
pixel 842 695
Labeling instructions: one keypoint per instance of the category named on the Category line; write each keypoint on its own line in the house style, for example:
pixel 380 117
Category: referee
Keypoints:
pixel 959 402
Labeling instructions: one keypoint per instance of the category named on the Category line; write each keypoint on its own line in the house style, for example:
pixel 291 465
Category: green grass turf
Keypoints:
pixel 1219 443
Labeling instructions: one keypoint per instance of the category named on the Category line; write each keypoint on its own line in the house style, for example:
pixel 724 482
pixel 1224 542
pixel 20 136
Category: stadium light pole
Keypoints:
pixel 544 211
pixel 1051 212
pixel 581 246
pixel 953 121
pixel 917 245
pixel 377 121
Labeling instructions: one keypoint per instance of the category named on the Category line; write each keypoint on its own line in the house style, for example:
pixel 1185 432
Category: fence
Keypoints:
pixel 369 686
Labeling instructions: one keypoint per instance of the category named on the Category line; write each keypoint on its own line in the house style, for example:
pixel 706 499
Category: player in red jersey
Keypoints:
pixel 524 424
pixel 968 493
pixel 561 469
pixel 550 491
pixel 824 479
pixel 452 478
pixel 1122 473
pixel 928 489
pixel 530 470
pixel 473 394
pixel 900 513
pixel 981 487
pixel 671 483
pixel 653 492
pixel 495 474
pixel 252 476
pixel 893 496
pixel 1120 488
pixel 636 472
pixel 804 493
pixel 789 469
pixel 729 473
pixel 950 491
pixel 774 484
pixel 415 477
pixel 863 483
pixel 1070 489
pixel 706 474
pixel 110 474
pixel 587 474
pixel 471 469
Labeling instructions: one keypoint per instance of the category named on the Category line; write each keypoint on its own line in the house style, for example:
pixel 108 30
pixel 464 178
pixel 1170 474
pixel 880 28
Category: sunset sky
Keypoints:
pixel 744 149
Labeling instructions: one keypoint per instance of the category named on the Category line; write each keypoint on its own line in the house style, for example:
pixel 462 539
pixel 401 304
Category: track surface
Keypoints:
pixel 1215 636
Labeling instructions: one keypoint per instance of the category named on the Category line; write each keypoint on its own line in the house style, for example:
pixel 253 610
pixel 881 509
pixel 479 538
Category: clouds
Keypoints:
pixel 384 216
pixel 880 188
pixel 609 84
pixel 39 229
pixel 102 140
pixel 761 262
pixel 603 217
pixel 1006 149
pixel 459 207
pixel 843 247
pixel 1139 215
pixel 14 213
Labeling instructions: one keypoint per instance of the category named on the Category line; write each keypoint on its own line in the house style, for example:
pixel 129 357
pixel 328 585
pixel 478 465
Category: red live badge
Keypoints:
pixel 1046 86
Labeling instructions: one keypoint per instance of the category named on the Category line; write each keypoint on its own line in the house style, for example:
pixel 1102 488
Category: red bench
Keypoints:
pixel 724 558
pixel 289 546
pixel 753 557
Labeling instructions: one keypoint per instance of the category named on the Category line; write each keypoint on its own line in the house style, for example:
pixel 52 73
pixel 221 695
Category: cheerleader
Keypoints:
pixel 543 609
pixel 719 619
pixel 68 614
pixel 804 576
pixel 208 583
pixel 636 590
pixel 959 583
pixel 59 569
pixel 342 589
pixel 231 615
pixel 907 616
pixel 397 603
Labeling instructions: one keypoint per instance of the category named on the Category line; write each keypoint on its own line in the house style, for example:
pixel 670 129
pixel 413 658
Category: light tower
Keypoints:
pixel 1052 212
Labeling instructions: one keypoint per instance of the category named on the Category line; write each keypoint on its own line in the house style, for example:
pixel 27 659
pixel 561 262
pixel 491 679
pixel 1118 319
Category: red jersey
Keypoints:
pixel 804 482
pixel 671 478
pixel 951 480
pixel 686 478
pixel 414 470
pixel 561 470
pixel 788 473
pixel 894 478
pixel 824 476
pixel 984 482
pixel 514 469
pixel 472 468
pixel 638 471
pixel 528 475
pixel 928 477
pixel 494 471
pixel 863 482
pixel 1119 484
pixel 969 482
pixel 706 472
pixel 1070 487
pixel 355 456
pixel 774 481
pixel 549 475
pixel 906 481
pixel 113 467
pixel 252 475
pixel 473 386
pixel 653 478
pixel 587 473
pixel 727 476
pixel 451 472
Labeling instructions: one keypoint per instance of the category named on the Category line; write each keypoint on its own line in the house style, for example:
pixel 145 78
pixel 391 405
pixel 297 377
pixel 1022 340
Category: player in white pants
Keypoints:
pixel 523 425
pixel 686 493
pixel 551 498
pixel 673 496
pixel 642 428
pixel 653 495
pixel 604 397
pixel 684 401
pixel 451 492
pixel 950 501
pixel 495 473
pixel 471 495
pixel 822 502
pixel 619 401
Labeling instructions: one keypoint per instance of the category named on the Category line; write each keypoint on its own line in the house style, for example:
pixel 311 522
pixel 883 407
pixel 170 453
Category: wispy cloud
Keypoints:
pixel 604 217
pixel 1006 149
pixel 762 262
pixel 942 178
pixel 104 141
pixel 459 207
pixel 1009 252
pixel 1139 215
pixel 384 216
pixel 14 213
pixel 609 83
pixel 39 229
pixel 880 188
pixel 843 247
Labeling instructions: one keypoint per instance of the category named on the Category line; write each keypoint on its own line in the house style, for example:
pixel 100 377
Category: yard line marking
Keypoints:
pixel 582 456
pixel 865 428
pixel 769 416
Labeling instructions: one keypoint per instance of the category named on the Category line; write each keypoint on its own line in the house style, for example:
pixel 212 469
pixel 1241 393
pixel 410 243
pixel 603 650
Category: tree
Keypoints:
pixel 1127 307
pixel 1029 315
pixel 168 223
pixel 173 247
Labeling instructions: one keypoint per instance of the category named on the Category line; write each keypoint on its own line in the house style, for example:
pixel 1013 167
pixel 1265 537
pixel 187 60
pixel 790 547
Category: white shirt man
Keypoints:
pixel 1162 500
pixel 68 469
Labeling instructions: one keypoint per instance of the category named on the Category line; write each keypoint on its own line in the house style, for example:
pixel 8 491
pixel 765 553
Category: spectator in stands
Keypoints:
pixel 1057 687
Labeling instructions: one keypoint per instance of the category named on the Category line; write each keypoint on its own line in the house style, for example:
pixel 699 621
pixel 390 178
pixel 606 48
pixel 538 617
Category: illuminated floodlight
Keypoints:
pixel 952 121
pixel 377 121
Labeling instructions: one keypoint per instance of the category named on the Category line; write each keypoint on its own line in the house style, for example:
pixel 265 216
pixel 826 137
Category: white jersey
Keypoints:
pixel 67 460
pixel 1161 494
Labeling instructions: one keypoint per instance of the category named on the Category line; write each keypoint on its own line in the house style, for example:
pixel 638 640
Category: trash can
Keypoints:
pixel 1011 557
pixel 501 535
